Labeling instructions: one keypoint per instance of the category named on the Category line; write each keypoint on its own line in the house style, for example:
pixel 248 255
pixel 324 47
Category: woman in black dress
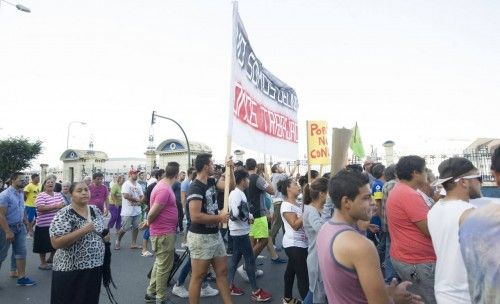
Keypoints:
pixel 76 234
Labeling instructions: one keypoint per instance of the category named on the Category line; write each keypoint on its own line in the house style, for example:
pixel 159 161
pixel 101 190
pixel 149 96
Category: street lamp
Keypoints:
pixel 69 126
pixel 153 121
pixel 20 7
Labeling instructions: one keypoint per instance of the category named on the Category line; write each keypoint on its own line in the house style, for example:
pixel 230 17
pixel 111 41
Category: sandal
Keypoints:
pixel 146 254
pixel 136 247
pixel 117 246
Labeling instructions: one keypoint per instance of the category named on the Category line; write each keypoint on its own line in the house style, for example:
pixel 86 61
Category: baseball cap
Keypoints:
pixel 452 168
pixel 133 171
pixel 377 195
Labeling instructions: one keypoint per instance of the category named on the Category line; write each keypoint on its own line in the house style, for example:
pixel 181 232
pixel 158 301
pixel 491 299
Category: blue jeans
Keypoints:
pixel 19 242
pixel 4 247
pixel 184 273
pixel 309 298
pixel 389 270
pixel 13 264
pixel 243 247
pixel 146 234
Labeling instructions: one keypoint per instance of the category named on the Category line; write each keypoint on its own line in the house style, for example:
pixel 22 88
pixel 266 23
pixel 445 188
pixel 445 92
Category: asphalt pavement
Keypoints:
pixel 129 271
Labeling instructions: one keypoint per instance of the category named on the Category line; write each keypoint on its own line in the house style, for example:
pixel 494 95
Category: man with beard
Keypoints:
pixel 462 182
pixel 13 223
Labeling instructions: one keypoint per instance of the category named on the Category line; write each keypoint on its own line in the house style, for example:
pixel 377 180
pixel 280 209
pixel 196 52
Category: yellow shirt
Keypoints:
pixel 31 191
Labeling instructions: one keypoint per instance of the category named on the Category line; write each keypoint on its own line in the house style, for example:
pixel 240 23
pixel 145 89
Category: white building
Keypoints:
pixel 175 150
pixel 79 163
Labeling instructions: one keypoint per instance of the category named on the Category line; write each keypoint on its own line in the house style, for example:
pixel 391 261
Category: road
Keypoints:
pixel 129 270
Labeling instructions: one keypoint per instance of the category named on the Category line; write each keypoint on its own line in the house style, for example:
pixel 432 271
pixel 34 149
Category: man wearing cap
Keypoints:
pixel 479 238
pixel 374 232
pixel 462 181
pixel 132 196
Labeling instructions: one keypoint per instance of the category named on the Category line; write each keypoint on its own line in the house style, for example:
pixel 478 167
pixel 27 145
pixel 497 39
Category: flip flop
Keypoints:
pixel 136 247
pixel 146 254
pixel 117 247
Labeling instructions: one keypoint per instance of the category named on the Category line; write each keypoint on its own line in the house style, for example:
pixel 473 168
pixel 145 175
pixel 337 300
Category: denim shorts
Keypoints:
pixel 19 242
pixel 131 222
pixel 4 246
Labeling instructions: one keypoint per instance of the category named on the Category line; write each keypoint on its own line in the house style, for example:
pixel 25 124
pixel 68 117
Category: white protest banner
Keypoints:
pixel 263 109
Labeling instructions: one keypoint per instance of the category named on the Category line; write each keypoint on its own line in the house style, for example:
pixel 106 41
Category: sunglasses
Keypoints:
pixel 479 177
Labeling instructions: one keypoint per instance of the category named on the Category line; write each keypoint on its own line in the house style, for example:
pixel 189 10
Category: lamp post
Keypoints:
pixel 20 7
pixel 153 120
pixel 69 126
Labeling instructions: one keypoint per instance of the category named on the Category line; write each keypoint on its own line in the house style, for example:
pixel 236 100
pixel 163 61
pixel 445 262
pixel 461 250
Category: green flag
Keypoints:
pixel 356 144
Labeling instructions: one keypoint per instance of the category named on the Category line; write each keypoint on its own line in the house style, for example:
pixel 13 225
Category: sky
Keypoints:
pixel 423 74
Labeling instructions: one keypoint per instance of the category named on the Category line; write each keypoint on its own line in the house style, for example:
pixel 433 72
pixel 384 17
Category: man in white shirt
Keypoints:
pixel 239 226
pixel 132 197
pixel 462 182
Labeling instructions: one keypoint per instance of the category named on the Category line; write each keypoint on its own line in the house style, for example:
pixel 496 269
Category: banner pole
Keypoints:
pixel 227 175
pixel 308 160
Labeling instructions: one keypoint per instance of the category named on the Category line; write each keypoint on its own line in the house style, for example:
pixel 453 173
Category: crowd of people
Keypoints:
pixel 368 234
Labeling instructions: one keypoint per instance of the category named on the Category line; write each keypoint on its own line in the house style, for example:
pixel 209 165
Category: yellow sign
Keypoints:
pixel 317 143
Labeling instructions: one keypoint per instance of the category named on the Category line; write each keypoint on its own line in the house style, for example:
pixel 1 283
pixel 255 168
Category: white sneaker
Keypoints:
pixel 208 292
pixel 243 274
pixel 180 291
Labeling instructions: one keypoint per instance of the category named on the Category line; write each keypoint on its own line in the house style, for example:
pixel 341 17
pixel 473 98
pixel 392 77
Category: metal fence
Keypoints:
pixel 481 160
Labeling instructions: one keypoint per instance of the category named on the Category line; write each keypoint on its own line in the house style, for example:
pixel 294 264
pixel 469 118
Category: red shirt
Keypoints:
pixel 405 207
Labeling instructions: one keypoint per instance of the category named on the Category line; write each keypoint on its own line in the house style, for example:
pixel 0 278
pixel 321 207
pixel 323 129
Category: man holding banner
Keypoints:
pixel 204 240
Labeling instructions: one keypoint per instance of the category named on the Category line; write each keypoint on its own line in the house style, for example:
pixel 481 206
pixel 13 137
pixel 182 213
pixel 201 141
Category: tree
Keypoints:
pixel 16 154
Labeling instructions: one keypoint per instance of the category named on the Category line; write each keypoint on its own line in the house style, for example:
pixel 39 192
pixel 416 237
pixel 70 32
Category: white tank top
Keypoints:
pixel 450 283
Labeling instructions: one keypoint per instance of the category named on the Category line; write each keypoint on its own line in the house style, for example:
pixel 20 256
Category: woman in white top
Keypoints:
pixel 294 241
